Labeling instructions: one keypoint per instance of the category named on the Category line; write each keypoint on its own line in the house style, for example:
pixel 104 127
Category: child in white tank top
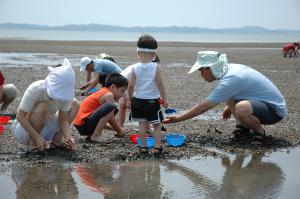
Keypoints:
pixel 144 91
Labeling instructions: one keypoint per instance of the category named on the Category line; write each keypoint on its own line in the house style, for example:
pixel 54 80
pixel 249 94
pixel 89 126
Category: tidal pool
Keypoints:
pixel 244 175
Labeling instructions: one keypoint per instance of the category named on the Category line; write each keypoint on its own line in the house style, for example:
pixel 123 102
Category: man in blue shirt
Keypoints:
pixel 250 96
pixel 101 67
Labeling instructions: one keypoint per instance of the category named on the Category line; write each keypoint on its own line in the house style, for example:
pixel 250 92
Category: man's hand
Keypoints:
pixel 169 120
pixel 226 114
pixel 82 87
pixel 83 93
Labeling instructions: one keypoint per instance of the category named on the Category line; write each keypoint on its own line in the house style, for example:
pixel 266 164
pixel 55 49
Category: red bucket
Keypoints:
pixel 135 136
pixel 4 119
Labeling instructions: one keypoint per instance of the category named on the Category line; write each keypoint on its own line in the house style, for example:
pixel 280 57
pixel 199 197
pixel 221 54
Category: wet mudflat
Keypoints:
pixel 208 137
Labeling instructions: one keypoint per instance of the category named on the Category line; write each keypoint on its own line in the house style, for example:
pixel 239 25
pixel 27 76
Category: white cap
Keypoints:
pixel 84 62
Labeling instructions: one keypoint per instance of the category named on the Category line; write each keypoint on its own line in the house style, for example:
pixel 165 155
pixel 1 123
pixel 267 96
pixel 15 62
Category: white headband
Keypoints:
pixel 147 50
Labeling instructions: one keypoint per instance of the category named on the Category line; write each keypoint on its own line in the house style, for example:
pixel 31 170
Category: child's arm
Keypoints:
pixel 84 86
pixel 109 98
pixel 64 124
pixel 88 81
pixel 161 87
pixel 131 87
pixel 88 76
pixel 116 126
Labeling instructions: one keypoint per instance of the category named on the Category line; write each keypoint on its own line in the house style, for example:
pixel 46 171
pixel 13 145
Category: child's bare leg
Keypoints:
pixel 38 119
pixel 101 125
pixel 122 113
pixel 157 134
pixel 143 128
pixel 148 128
pixel 116 126
pixel 74 109
pixel 9 94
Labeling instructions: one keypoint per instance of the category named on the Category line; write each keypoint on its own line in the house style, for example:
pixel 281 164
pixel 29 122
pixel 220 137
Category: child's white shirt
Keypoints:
pixel 145 85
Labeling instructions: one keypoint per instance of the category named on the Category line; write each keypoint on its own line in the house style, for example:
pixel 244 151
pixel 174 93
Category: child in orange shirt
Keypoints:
pixel 97 110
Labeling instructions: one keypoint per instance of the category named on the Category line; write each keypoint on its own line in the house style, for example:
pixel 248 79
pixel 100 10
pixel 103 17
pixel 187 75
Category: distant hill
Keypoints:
pixel 177 29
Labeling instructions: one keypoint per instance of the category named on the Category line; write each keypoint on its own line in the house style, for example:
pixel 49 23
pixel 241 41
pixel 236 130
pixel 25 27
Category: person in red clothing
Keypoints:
pixel 8 92
pixel 89 179
pixel 97 110
pixel 291 50
pixel 297 49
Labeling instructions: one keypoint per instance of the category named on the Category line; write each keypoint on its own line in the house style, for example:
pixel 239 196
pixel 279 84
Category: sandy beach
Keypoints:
pixel 183 91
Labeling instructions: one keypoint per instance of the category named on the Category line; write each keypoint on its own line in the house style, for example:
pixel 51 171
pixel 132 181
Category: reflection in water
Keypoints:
pixel 89 180
pixel 138 180
pixel 44 182
pixel 202 184
pixel 30 59
pixel 134 179
pixel 255 180
pixel 242 178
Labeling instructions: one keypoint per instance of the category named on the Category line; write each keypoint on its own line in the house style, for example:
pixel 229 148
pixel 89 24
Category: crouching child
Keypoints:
pixel 97 111
pixel 47 109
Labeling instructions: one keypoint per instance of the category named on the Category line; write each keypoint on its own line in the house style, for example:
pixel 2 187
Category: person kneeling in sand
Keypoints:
pixel 97 110
pixel 101 67
pixel 8 92
pixel 291 50
pixel 47 109
pixel 250 96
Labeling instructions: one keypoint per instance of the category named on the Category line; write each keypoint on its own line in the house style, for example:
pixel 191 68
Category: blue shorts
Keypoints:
pixel 264 112
pixel 91 121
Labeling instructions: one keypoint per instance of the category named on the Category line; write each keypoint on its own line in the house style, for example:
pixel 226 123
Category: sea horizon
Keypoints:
pixel 67 35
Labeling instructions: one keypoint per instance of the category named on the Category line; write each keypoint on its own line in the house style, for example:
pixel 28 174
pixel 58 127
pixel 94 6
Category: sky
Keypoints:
pixel 272 14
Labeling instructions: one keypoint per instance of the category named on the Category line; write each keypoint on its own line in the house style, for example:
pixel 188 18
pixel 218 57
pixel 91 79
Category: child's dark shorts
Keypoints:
pixel 91 121
pixel 264 112
pixel 146 110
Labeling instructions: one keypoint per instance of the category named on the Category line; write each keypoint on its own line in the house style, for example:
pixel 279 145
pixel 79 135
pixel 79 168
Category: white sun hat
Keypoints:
pixel 60 82
pixel 84 62
pixel 211 59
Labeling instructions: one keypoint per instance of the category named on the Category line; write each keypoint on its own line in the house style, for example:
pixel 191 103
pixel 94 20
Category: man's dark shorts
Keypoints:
pixel 146 110
pixel 264 112
pixel 91 121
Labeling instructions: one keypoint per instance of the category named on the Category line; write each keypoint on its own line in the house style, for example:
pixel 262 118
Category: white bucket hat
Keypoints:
pixel 84 62
pixel 60 82
pixel 216 62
